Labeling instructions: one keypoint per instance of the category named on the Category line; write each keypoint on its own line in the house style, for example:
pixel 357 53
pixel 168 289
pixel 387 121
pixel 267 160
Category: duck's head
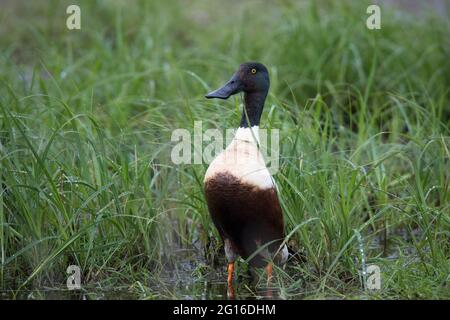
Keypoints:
pixel 252 77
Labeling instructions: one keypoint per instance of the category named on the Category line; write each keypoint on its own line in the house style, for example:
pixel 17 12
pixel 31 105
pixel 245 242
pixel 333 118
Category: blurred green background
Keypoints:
pixel 86 118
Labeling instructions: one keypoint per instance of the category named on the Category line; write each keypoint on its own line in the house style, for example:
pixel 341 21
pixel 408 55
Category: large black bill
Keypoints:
pixel 232 87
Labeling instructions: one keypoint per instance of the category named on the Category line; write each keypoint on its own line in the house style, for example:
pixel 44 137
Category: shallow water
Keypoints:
pixel 202 289
pixel 187 277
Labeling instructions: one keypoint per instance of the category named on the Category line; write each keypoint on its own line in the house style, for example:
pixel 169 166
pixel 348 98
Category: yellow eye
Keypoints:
pixel 253 71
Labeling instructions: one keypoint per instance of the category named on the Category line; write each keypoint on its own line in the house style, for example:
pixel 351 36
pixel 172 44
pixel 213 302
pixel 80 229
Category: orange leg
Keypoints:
pixel 269 273
pixel 230 280
pixel 269 294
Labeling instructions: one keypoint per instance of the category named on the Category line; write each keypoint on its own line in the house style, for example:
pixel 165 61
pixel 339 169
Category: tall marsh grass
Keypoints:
pixel 86 119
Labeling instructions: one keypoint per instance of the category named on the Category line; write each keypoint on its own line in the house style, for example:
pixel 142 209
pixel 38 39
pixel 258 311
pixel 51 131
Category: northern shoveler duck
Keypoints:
pixel 240 192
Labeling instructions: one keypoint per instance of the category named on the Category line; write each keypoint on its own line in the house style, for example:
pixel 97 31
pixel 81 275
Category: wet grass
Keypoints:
pixel 85 126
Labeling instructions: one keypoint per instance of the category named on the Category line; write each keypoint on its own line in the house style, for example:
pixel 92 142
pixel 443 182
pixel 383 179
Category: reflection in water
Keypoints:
pixel 214 288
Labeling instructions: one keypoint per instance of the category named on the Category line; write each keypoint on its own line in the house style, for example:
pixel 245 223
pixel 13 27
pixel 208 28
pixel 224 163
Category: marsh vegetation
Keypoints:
pixel 86 119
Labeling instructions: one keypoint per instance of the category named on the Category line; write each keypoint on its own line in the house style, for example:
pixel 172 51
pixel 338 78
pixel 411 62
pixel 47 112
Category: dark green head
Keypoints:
pixel 252 77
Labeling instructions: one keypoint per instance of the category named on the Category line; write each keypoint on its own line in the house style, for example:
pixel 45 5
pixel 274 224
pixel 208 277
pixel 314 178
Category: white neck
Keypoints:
pixel 247 134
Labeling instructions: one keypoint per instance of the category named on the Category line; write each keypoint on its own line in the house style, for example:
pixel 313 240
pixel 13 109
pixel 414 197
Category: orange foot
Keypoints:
pixel 230 291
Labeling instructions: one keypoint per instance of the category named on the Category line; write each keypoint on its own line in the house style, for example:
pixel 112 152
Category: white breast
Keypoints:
pixel 243 160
